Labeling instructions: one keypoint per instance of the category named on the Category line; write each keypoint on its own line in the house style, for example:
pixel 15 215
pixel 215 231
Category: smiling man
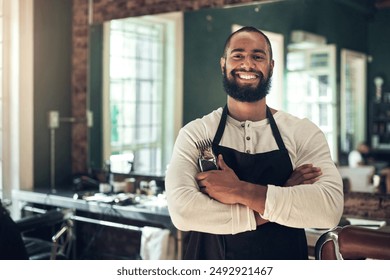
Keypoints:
pixel 246 81
pixel 275 175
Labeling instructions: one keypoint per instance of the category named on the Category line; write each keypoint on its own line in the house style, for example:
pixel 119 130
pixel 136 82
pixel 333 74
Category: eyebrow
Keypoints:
pixel 254 51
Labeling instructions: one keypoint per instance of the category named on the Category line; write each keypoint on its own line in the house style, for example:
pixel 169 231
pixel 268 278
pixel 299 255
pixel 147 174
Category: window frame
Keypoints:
pixel 171 106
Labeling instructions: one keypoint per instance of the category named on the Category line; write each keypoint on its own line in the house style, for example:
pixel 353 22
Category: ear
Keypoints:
pixel 222 62
pixel 271 69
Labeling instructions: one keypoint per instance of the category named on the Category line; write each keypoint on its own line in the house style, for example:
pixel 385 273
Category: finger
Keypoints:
pixel 306 173
pixel 294 176
pixel 297 174
pixel 304 176
pixel 316 169
pixel 304 166
pixel 311 181
pixel 311 175
pixel 307 168
pixel 201 183
pixel 221 163
pixel 200 176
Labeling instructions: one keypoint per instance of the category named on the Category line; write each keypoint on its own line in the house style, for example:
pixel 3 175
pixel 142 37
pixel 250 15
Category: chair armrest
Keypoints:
pixel 40 220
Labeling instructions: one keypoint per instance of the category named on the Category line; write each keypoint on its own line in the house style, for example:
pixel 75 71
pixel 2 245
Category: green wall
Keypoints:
pixel 379 49
pixel 52 87
pixel 345 25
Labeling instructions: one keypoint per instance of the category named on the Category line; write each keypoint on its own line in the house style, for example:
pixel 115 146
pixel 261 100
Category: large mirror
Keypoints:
pixel 136 92
pixel 150 75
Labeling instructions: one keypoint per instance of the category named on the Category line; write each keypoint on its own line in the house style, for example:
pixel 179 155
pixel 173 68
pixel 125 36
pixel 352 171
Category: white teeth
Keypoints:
pixel 247 76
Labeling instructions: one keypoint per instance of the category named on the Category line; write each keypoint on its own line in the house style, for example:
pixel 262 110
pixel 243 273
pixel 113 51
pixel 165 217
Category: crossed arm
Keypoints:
pixel 224 185
pixel 315 198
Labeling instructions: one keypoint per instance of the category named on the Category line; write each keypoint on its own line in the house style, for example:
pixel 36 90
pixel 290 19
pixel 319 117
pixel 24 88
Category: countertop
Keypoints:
pixel 150 209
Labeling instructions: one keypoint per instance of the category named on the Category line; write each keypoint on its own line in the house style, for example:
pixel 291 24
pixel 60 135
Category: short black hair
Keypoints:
pixel 246 29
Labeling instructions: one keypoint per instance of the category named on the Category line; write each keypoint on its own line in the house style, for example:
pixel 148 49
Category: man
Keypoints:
pixel 244 210
pixel 363 156
pixel 360 156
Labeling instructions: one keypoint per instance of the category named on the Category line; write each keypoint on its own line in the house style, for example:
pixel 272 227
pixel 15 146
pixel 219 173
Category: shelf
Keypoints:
pixel 381 119
pixel 381 104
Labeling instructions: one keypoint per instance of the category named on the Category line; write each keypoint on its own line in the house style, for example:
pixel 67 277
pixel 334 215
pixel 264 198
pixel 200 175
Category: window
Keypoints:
pixel 139 91
pixel 353 99
pixel 311 89
pixel 1 96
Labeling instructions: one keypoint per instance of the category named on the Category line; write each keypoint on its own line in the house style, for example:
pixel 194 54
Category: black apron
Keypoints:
pixel 269 241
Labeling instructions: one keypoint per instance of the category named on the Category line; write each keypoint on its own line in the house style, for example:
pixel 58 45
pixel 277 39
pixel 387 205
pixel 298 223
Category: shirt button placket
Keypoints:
pixel 248 138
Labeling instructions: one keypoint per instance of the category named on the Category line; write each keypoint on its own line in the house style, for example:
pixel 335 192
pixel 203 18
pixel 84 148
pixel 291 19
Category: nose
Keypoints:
pixel 248 63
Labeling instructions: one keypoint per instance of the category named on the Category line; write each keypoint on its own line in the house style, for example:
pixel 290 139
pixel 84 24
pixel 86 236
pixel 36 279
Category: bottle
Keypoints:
pixel 109 176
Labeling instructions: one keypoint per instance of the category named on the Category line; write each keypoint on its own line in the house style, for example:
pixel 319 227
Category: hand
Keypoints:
pixel 224 185
pixel 304 174
pixel 221 184
pixel 259 220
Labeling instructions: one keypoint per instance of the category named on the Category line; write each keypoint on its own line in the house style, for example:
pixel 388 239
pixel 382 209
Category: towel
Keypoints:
pixel 157 244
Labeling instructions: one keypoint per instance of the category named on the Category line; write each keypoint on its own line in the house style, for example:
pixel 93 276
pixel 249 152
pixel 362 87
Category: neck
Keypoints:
pixel 247 111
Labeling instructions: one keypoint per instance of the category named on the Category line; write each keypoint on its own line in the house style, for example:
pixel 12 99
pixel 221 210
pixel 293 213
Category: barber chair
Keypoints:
pixel 60 245
pixel 353 243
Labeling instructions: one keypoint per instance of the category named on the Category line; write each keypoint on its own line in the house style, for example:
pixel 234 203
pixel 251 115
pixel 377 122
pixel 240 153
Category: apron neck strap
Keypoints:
pixel 275 130
pixel 221 127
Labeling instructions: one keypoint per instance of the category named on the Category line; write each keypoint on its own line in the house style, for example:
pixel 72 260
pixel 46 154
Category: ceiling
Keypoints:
pixel 382 4
pixel 368 7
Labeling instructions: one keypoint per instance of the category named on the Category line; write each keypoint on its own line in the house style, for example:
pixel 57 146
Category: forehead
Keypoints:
pixel 248 41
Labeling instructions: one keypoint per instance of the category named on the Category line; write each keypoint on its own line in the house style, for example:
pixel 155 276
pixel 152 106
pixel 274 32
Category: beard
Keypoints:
pixel 246 93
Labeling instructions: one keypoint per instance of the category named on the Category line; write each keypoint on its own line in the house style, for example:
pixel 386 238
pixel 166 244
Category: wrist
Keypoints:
pixel 259 219
pixel 253 196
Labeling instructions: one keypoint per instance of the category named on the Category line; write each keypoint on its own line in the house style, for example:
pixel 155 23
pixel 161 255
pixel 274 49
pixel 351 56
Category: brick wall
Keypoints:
pixel 79 84
pixel 370 206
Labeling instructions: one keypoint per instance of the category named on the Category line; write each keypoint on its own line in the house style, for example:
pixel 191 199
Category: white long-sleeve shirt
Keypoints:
pixel 318 205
